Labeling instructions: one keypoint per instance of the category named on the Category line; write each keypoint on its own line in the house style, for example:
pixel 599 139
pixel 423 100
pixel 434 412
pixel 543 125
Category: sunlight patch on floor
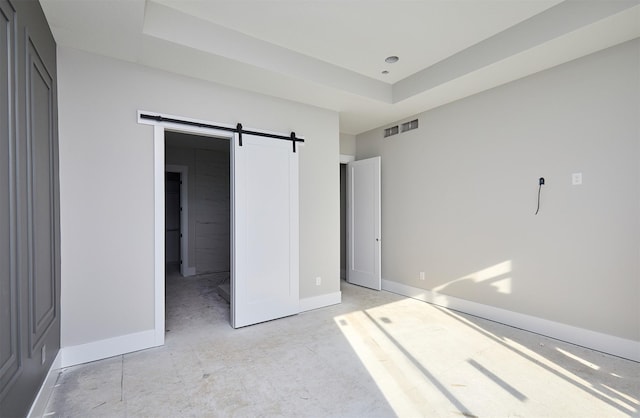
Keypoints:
pixel 559 370
pixel 393 373
pixel 578 359
pixel 631 399
pixel 427 369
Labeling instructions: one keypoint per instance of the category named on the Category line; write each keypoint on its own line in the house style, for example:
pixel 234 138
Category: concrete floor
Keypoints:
pixel 375 355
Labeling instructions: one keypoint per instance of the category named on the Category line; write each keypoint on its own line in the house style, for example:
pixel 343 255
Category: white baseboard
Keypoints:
pixel 610 344
pixel 98 350
pixel 316 302
pixel 110 347
pixel 84 353
pixel 39 405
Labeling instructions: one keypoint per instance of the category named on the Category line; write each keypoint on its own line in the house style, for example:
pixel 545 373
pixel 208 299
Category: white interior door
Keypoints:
pixel 264 282
pixel 363 223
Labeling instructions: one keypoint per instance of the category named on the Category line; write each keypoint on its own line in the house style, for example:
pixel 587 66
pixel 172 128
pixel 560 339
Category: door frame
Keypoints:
pixel 344 160
pixel 159 129
pixel 183 170
pixel 197 127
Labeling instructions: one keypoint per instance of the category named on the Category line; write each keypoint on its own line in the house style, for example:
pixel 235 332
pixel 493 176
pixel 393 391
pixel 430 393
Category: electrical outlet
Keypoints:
pixel 318 281
pixel 43 352
pixel 422 275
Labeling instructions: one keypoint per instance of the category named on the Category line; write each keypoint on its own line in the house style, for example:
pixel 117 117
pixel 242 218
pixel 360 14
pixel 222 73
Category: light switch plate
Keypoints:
pixel 576 179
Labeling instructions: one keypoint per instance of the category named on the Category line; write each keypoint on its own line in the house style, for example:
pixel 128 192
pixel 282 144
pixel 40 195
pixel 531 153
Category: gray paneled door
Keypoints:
pixel 29 205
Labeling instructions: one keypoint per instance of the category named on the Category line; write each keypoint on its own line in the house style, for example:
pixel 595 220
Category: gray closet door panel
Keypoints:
pixel 29 205
pixel 39 137
pixel 9 345
pixel 7 40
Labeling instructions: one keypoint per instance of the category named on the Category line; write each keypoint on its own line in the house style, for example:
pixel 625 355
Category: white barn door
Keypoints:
pixel 264 282
pixel 363 223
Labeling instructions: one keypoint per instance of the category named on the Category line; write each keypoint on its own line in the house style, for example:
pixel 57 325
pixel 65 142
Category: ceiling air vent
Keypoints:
pixel 391 131
pixel 407 126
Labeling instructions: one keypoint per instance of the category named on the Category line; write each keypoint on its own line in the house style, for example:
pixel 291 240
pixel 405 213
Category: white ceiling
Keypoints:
pixel 330 53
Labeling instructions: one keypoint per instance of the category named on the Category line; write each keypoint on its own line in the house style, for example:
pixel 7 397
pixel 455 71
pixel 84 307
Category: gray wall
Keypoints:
pixel 107 178
pixel 347 144
pixel 459 195
pixel 209 210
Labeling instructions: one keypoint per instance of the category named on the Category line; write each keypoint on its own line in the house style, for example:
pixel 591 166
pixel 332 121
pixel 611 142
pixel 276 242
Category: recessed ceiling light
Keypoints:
pixel 385 72
pixel 392 59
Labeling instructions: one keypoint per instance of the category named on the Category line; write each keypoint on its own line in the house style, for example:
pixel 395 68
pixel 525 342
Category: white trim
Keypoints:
pixel 98 350
pixel 232 252
pixel 345 159
pixel 294 224
pixel 159 265
pixel 39 405
pixel 158 181
pixel 184 217
pixel 179 127
pixel 321 301
pixel 158 169
pixel 617 346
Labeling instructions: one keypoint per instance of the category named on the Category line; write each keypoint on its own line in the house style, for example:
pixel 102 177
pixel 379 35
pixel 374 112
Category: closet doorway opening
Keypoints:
pixel 263 219
pixel 344 238
pixel 197 229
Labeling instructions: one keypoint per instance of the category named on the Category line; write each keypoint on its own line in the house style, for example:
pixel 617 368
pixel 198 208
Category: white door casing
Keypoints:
pixel 265 282
pixel 237 310
pixel 364 223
